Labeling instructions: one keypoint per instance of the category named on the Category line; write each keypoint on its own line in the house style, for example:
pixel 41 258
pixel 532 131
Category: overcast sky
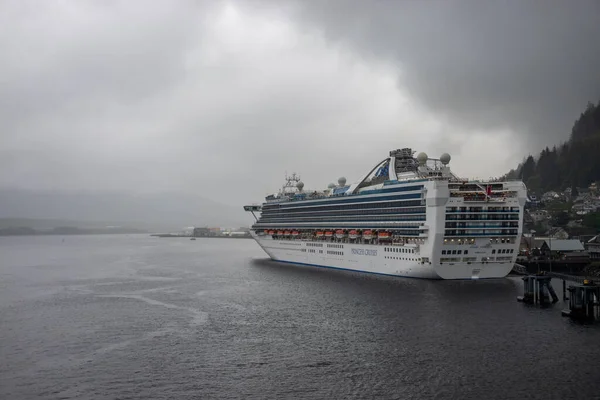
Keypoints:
pixel 222 98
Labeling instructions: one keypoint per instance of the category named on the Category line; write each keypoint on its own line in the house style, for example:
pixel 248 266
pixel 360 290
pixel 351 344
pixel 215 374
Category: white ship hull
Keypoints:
pixel 408 216
pixel 374 259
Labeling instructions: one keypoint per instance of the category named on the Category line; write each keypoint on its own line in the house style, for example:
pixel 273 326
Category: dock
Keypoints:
pixel 522 270
pixel 584 294
pixel 537 289
pixel 584 302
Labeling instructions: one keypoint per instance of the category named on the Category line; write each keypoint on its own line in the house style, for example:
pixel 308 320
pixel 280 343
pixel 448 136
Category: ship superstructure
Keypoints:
pixel 408 216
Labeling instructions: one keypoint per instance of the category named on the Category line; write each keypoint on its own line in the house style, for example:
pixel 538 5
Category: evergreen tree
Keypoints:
pixel 573 163
pixel 528 169
pixel 574 192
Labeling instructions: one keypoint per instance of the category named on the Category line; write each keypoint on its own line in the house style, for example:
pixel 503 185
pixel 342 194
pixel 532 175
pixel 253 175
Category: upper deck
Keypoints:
pixel 393 173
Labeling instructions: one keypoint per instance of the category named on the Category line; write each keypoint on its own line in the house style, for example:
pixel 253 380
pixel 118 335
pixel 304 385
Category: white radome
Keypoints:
pixel 422 158
pixel 445 158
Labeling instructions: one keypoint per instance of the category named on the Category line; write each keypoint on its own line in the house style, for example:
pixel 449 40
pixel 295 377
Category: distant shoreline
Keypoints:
pixel 168 235
pixel 69 234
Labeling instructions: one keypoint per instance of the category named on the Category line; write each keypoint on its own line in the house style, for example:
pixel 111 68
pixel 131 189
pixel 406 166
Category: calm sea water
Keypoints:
pixel 137 317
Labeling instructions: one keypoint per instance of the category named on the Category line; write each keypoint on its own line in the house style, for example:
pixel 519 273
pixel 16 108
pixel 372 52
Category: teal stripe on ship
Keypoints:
pixel 396 182
pixel 349 199
pixel 346 211
pixel 401 206
pixel 391 189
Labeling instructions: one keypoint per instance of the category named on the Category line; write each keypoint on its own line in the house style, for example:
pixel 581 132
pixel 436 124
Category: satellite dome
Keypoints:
pixel 342 181
pixel 331 185
pixel 422 158
pixel 445 158
pixel 300 185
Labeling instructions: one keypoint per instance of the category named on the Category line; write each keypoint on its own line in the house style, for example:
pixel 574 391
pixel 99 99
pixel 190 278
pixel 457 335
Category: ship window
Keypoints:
pixel 466 252
pixel 453 251
pixel 459 252
pixel 494 251
pixel 443 251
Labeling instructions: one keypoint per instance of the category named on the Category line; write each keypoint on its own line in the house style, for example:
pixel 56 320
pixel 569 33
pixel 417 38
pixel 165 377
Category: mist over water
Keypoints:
pixel 137 317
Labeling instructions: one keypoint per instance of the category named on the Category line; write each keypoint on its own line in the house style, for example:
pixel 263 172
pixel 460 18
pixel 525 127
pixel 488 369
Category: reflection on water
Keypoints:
pixel 139 317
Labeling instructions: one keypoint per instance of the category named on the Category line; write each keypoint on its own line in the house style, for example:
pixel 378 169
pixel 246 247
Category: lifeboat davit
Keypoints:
pixel 353 234
pixel 383 235
pixel 319 234
pixel 368 234
pixel 339 234
pixel 328 234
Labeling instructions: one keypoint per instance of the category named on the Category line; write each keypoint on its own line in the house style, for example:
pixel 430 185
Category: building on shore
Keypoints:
pixel 593 247
pixel 203 232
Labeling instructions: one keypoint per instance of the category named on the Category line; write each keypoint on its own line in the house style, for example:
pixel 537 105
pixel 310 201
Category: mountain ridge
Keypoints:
pixel 574 163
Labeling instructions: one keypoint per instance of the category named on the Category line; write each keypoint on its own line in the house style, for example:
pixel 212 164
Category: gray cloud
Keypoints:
pixel 219 99
pixel 528 66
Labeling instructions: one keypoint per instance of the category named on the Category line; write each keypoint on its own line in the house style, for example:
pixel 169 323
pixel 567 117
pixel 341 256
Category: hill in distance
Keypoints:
pixel 164 211
pixel 575 163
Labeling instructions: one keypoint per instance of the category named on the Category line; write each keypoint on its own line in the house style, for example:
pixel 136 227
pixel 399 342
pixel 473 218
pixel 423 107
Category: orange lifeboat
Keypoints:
pixel 368 234
pixel 271 232
pixel 295 233
pixel 280 233
pixel 328 234
pixel 319 234
pixel 287 233
pixel 339 234
pixel 383 235
pixel 266 231
pixel 353 234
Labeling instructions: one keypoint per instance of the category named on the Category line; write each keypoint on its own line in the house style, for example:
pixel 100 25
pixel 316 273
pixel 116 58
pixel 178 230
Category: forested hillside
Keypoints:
pixel 575 163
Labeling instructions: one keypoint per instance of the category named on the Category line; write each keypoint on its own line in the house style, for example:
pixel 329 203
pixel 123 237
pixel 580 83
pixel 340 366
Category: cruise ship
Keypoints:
pixel 408 216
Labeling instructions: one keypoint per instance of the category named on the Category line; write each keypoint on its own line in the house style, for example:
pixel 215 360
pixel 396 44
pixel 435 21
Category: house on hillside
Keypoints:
pixel 593 247
pixel 551 195
pixel 532 201
pixel 557 233
pixel 539 215
pixel 533 247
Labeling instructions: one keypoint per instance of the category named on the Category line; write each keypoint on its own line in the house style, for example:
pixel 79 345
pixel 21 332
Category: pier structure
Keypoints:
pixel 537 289
pixel 584 301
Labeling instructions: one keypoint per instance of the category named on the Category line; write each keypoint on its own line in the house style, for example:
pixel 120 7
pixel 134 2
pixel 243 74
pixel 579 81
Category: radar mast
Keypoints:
pixel 291 183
